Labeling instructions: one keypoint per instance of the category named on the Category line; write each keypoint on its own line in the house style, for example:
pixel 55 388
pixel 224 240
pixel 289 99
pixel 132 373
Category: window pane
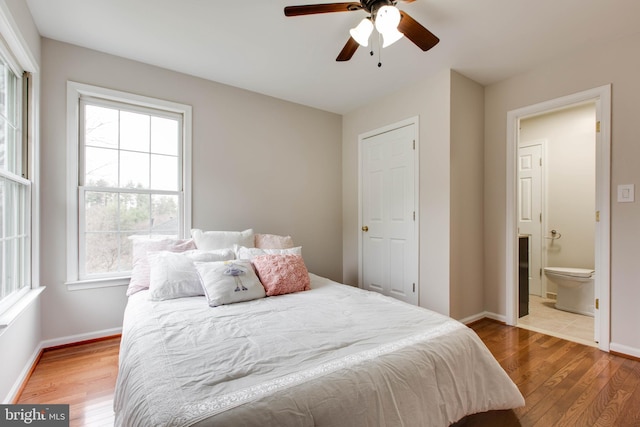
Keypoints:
pixel 10 268
pixel 134 131
pixel 3 143
pixel 101 211
pixel 127 151
pixel 164 172
pixel 134 170
pixel 4 287
pixel 165 215
pixel 126 251
pixel 135 212
pixel 101 127
pixel 4 75
pixel 14 204
pixel 164 136
pixel 13 151
pixel 102 252
pixel 11 200
pixel 2 209
pixel 101 167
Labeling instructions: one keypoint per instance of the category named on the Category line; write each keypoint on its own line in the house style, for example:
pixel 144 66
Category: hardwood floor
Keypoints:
pixel 564 383
pixel 83 376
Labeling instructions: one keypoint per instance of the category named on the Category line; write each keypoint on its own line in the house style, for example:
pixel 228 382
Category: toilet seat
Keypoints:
pixel 570 272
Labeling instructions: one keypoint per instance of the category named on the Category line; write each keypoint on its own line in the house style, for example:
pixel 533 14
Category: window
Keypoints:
pixel 130 156
pixel 15 189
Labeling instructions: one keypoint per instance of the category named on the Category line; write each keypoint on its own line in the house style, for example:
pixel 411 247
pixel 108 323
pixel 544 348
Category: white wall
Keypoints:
pixel 617 63
pixel 570 174
pixel 257 162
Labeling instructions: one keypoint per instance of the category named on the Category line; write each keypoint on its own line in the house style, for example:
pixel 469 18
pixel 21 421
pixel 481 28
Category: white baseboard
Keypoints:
pixel 79 338
pixel 484 314
pixel 624 349
pixel 23 376
pixel 53 343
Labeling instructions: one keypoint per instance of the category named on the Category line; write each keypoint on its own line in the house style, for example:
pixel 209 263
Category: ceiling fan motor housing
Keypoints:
pixel 372 6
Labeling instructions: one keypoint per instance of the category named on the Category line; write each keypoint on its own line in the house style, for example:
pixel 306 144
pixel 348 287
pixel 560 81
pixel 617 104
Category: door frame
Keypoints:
pixel 415 121
pixel 602 98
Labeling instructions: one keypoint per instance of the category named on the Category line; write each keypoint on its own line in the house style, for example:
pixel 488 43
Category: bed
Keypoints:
pixel 330 356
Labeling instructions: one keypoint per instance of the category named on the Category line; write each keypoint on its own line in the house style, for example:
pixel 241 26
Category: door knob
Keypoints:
pixel 365 228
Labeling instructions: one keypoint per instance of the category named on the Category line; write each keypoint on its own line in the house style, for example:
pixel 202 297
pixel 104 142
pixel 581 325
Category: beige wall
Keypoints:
pixel 617 63
pixel 570 176
pixel 257 162
pixel 434 100
pixel 467 177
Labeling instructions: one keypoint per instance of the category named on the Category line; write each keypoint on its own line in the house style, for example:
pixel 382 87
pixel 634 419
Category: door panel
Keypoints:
pixel 389 248
pixel 530 210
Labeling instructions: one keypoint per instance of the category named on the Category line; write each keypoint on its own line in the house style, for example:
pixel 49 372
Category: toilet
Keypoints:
pixel 575 288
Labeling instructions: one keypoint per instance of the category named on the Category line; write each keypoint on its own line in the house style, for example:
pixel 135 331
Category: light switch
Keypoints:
pixel 626 193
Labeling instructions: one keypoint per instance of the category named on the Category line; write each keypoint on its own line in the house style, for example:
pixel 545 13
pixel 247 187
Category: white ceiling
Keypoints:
pixel 251 44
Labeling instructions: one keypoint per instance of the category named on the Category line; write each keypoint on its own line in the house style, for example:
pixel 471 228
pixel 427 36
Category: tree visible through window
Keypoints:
pixel 130 182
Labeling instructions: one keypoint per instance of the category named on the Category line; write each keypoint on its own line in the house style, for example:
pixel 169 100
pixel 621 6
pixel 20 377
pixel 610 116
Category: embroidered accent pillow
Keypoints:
pixel 228 282
pixel 282 274
pixel 141 270
pixel 273 241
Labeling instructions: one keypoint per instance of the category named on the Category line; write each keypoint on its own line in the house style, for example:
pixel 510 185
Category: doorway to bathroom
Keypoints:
pixel 558 215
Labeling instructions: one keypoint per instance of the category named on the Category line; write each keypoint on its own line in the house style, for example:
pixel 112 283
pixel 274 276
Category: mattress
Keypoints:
pixel 331 356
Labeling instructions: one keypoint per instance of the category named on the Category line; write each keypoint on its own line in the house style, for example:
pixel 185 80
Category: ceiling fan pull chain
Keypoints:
pixel 379 51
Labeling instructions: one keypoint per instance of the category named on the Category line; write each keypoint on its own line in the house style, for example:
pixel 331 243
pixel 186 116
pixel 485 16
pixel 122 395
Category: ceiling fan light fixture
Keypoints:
pixel 362 32
pixel 387 20
pixel 390 37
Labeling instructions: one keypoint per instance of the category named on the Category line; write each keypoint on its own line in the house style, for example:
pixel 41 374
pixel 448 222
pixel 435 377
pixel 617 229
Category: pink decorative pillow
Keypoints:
pixel 140 273
pixel 282 274
pixel 273 241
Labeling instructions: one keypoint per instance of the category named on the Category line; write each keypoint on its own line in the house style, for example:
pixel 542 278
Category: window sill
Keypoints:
pixel 110 282
pixel 7 317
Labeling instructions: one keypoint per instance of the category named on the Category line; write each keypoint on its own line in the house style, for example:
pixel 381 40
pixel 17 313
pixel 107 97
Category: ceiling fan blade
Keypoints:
pixel 348 50
pixel 415 32
pixel 312 9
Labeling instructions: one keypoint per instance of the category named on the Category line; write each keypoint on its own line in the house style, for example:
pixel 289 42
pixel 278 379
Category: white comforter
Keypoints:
pixel 331 356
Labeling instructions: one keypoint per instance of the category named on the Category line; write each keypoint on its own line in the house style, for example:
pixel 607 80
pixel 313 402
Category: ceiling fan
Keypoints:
pixel 388 20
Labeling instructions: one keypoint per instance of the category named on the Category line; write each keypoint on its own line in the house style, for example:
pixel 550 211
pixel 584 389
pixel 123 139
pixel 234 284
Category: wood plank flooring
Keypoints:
pixel 83 376
pixel 564 383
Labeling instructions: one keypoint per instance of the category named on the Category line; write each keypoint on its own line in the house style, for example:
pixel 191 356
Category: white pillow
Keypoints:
pixel 211 240
pixel 273 241
pixel 229 281
pixel 141 247
pixel 197 255
pixel 174 275
pixel 243 253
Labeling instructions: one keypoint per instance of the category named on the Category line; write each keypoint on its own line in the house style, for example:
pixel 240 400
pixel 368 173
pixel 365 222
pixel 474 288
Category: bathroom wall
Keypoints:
pixel 569 169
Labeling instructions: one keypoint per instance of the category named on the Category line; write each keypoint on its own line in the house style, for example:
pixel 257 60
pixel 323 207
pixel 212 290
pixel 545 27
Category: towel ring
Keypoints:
pixel 554 235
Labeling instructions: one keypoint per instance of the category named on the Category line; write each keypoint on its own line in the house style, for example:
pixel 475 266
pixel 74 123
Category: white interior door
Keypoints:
pixel 530 210
pixel 389 232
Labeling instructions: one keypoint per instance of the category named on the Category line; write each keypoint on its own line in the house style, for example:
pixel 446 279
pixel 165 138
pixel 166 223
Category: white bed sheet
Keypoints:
pixel 332 356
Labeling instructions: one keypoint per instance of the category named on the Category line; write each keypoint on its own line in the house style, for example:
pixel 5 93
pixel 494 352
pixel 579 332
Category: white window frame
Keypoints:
pixel 76 91
pixel 19 58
